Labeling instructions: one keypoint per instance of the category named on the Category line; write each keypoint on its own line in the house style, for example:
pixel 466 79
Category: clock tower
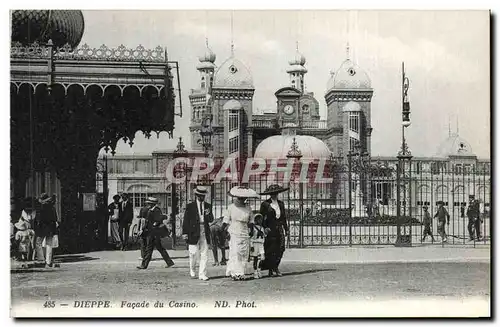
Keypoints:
pixel 288 105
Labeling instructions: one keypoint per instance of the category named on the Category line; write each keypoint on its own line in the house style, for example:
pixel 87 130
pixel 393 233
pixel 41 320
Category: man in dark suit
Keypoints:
pixel 473 213
pixel 126 217
pixel 143 215
pixel 155 230
pixel 196 231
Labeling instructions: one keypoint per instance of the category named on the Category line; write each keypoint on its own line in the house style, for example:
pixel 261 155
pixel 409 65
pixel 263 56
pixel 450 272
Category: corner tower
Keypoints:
pixel 200 97
pixel 348 98
pixel 232 105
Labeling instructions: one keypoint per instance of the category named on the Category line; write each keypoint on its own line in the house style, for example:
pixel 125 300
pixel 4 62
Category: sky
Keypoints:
pixel 446 55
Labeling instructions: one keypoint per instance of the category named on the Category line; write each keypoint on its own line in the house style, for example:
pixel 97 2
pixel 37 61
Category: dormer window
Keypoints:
pixel 233 69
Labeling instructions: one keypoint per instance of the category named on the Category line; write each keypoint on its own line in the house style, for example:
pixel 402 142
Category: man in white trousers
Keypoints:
pixel 196 231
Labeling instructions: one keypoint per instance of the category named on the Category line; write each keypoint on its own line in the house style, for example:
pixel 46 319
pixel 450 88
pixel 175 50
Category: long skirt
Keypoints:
pixel 115 234
pixel 239 248
pixel 274 247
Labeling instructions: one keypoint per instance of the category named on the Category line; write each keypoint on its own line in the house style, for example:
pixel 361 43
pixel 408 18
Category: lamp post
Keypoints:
pixel 404 160
pixel 206 133
pixel 296 154
pixel 359 166
pixel 179 171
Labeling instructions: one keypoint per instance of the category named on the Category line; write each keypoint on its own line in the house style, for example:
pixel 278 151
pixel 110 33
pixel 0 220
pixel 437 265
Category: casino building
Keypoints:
pixel 223 99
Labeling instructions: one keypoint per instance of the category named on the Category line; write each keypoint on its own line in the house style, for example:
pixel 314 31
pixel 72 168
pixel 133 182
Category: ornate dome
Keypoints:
pixel 278 146
pixel 454 145
pixel 298 59
pixel 351 106
pixel 207 56
pixel 232 105
pixel 60 26
pixel 205 65
pixel 233 74
pixel 349 76
pixel 296 69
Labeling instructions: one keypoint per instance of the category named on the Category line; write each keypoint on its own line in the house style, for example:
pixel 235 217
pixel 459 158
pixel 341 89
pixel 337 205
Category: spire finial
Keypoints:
pixel 297 45
pixel 457 125
pixel 449 127
pixel 347 50
pixel 232 39
pixel 206 41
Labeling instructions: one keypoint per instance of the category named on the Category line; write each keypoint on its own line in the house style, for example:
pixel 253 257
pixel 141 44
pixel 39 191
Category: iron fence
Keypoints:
pixel 359 205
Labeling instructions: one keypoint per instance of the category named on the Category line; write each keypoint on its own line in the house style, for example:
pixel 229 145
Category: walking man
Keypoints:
pixel 155 230
pixel 442 215
pixel 196 231
pixel 427 225
pixel 474 218
pixel 143 214
pixel 126 217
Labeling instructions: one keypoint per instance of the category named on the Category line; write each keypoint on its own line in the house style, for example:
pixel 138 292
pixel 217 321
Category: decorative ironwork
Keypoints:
pixel 405 150
pixel 294 151
pixel 181 149
pixel 87 53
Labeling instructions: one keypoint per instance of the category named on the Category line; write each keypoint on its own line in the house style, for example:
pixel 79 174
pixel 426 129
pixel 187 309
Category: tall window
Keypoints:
pixel 354 121
pixel 139 199
pixel 234 144
pixel 234 120
pixel 352 143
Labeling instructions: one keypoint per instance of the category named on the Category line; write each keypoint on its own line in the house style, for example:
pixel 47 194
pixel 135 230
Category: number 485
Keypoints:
pixel 49 304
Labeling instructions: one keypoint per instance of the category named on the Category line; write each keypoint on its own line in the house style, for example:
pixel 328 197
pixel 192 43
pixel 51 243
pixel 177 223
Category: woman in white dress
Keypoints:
pixel 238 220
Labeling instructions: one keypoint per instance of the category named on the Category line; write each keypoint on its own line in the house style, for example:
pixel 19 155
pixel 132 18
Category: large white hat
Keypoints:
pixel 243 192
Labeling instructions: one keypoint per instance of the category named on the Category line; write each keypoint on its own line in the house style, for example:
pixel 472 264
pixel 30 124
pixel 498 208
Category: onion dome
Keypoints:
pixel 61 26
pixel 233 74
pixel 351 106
pixel 278 147
pixel 232 105
pixel 349 76
pixel 298 59
pixel 454 145
pixel 207 56
pixel 296 69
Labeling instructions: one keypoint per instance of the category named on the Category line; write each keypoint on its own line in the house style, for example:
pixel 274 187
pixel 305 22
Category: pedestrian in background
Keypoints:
pixel 47 223
pixel 126 217
pixel 427 225
pixel 473 213
pixel 114 213
pixel 442 215
pixel 143 214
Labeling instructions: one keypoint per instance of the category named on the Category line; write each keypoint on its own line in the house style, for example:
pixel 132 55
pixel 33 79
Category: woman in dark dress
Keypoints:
pixel 46 226
pixel 276 226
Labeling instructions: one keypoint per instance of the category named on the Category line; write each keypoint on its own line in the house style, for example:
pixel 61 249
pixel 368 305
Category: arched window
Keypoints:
pixel 423 195
pixel 442 194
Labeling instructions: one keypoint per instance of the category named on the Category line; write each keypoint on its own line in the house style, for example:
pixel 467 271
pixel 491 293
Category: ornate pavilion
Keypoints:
pixel 68 101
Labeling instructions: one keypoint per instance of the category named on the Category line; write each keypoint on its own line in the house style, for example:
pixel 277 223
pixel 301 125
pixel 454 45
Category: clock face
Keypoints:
pixel 288 109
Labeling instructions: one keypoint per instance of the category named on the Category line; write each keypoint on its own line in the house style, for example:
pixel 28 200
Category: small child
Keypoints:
pixel 257 236
pixel 24 236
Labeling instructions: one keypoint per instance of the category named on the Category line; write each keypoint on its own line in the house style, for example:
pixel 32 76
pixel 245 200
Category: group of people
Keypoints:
pixel 473 214
pixel 121 213
pixel 35 234
pixel 255 236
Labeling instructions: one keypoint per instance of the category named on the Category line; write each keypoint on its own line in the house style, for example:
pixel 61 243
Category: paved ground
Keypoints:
pixel 310 275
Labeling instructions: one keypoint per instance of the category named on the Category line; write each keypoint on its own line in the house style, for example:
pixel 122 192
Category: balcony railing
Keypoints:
pixel 314 124
pixel 308 124
pixel 263 123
